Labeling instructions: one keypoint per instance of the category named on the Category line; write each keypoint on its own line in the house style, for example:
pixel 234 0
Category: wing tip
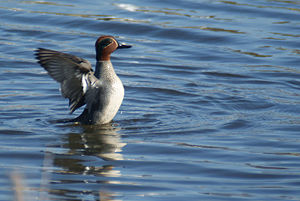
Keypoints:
pixel 38 53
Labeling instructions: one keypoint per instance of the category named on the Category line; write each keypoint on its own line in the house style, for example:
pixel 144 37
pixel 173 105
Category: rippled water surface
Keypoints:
pixel 211 110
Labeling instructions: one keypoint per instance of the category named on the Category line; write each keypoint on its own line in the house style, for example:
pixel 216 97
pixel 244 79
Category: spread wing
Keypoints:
pixel 73 73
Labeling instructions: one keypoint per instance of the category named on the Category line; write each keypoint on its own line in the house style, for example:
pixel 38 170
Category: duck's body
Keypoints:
pixel 105 96
pixel 102 91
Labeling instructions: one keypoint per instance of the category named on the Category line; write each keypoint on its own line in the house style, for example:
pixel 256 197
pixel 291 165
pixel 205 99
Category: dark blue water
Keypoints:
pixel 211 108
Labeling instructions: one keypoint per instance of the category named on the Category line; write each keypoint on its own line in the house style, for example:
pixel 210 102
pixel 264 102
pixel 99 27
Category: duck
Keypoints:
pixel 101 92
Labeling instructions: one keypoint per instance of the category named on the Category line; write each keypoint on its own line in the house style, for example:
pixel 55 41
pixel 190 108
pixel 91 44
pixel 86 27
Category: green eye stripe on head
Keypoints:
pixel 105 42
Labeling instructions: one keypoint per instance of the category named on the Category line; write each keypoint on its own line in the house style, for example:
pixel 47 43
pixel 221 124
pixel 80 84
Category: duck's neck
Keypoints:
pixel 104 68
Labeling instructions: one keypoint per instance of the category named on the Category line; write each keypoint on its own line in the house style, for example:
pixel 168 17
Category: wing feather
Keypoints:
pixel 70 71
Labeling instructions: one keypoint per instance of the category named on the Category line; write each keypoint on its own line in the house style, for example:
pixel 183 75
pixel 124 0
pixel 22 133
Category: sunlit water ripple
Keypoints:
pixel 211 110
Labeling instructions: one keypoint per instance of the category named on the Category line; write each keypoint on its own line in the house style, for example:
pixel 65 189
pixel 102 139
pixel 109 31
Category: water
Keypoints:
pixel 211 110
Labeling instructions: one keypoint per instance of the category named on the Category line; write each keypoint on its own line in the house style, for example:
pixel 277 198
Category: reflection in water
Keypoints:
pixel 101 142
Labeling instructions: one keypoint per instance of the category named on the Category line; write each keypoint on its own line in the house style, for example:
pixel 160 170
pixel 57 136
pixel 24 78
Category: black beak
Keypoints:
pixel 122 45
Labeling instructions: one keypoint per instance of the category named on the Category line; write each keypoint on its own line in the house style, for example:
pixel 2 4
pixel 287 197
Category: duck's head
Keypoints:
pixel 105 45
